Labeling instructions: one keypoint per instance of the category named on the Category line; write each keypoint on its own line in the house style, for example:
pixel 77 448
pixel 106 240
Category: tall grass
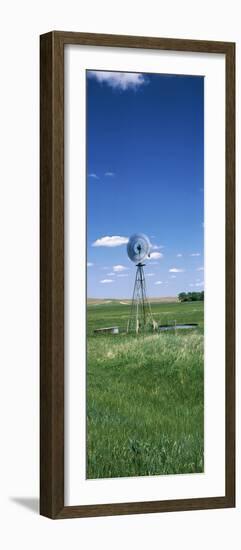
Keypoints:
pixel 145 403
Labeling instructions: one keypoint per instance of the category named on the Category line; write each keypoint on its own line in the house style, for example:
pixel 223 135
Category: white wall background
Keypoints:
pixel 21 24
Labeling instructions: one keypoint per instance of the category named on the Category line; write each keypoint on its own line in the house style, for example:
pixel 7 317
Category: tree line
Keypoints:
pixel 191 296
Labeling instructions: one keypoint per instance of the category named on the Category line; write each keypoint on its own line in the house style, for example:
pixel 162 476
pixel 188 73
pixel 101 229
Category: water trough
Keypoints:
pixel 177 326
pixel 107 330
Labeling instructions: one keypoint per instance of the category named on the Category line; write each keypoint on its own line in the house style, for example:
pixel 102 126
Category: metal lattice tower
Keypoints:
pixel 138 248
pixel 140 315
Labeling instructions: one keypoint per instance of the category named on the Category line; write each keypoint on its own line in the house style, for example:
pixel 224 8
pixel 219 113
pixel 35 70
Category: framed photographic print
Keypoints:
pixel 137 275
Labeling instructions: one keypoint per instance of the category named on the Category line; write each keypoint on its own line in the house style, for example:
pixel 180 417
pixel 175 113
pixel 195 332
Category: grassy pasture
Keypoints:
pixel 144 394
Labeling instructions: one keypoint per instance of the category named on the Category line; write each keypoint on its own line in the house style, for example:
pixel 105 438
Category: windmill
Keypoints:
pixel 138 248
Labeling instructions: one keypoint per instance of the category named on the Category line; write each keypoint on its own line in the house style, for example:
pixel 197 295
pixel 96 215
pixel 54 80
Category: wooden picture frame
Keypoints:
pixel 52 274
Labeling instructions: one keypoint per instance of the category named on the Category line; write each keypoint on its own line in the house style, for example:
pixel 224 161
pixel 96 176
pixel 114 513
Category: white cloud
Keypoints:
pixel 109 174
pixel 110 274
pixel 156 246
pixel 176 270
pixel 155 256
pixel 173 277
pixel 94 176
pixel 120 81
pixel 114 240
pixel 104 281
pixel 158 282
pixel 201 283
pixel 179 255
pixel 153 263
pixel 119 268
pixel 89 264
pixel 195 254
pixel 200 268
pixel 122 275
pixel 150 274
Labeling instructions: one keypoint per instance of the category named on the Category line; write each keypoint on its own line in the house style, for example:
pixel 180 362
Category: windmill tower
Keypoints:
pixel 138 248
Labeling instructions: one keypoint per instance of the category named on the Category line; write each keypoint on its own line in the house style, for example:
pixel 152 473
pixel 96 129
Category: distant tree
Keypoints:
pixel 191 296
pixel 182 297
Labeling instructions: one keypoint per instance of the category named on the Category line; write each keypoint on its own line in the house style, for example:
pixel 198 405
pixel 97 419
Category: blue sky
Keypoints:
pixel 145 174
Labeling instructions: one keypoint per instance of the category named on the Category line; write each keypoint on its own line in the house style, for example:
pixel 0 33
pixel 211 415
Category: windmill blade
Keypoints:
pixel 138 247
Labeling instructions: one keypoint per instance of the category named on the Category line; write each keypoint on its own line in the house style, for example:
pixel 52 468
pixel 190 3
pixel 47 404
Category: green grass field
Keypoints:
pixel 145 401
